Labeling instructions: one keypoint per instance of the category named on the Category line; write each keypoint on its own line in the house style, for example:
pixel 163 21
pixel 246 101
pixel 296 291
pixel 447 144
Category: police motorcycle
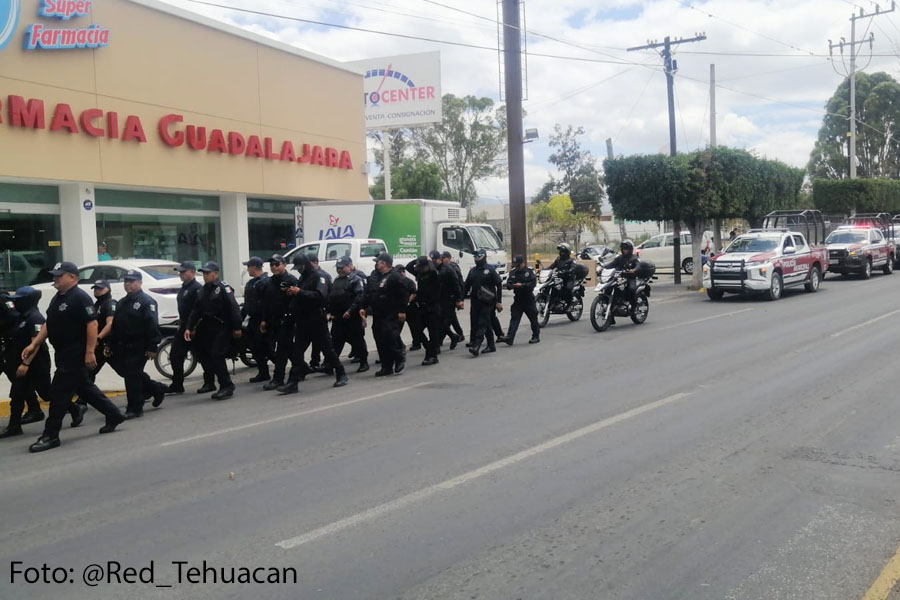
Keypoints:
pixel 550 297
pixel 163 360
pixel 612 292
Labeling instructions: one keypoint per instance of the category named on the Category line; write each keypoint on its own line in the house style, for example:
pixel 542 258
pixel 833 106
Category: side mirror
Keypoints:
pixel 460 253
pixel 789 250
pixel 499 234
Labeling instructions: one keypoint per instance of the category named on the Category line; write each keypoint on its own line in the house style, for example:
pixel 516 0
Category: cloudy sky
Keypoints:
pixel 771 60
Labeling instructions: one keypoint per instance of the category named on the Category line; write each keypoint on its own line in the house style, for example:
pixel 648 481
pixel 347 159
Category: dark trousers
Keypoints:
pixel 211 346
pixel 454 321
pixel 430 318
pixel 386 330
pixel 71 379
pixel 448 315
pixel 349 331
pixel 258 346
pixel 180 349
pixel 416 326
pixel 482 314
pixel 281 346
pixel 495 327
pixel 529 309
pixel 129 363
pixel 22 390
pixel 101 360
pixel 312 330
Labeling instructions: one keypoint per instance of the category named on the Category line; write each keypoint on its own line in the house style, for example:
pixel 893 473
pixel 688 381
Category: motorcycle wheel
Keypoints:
pixel 577 310
pixel 640 310
pixel 599 320
pixel 163 360
pixel 543 306
pixel 246 358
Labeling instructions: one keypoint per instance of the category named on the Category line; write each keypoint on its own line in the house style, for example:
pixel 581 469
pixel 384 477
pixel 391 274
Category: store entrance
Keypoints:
pixel 29 247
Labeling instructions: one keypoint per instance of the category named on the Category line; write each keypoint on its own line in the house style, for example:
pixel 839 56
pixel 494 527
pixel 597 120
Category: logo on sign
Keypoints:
pixel 395 87
pixel 41 37
pixel 336 231
pixel 9 20
pixel 88 205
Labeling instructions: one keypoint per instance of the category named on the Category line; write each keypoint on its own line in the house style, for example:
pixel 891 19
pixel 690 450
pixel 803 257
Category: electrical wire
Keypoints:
pixel 680 116
pixel 634 106
pixel 703 121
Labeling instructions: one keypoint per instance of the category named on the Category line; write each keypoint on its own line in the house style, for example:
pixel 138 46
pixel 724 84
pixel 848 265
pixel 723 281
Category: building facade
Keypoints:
pixel 162 134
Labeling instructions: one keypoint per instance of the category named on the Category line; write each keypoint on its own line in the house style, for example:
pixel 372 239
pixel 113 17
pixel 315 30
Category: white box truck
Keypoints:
pixel 410 228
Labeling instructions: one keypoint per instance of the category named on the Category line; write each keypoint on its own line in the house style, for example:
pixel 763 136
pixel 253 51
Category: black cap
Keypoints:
pixel 210 266
pixel 446 254
pixel 421 261
pixel 133 275
pixel 64 267
pixel 301 260
pixel 185 265
pixel 254 261
pixel 343 262
pixel 100 284
pixel 434 254
pixel 480 253
pixel 277 258
pixel 385 258
pixel 518 259
pixel 313 258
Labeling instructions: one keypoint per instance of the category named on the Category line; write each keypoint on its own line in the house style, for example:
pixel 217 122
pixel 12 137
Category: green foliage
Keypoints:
pixel 581 179
pixel 411 178
pixel 558 215
pixel 843 196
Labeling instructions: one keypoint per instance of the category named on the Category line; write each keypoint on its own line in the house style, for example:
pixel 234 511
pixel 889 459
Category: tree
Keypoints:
pixel 411 178
pixel 400 146
pixel 581 179
pixel 558 215
pixel 465 145
pixel 878 121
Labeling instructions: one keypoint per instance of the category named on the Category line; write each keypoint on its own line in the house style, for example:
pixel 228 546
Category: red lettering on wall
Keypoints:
pixel 305 155
pixel 175 140
pixel 267 144
pixel 346 161
pixel 133 130
pixel 26 115
pixel 287 152
pixel 112 125
pixel 217 142
pixel 254 148
pixel 1 111
pixel 318 157
pixel 87 121
pixel 236 143
pixel 331 157
pixel 196 137
pixel 63 119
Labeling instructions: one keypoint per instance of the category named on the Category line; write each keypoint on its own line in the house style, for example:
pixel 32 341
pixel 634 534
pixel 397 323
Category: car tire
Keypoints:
pixel 867 269
pixel 776 288
pixel 815 278
pixel 715 294
pixel 687 265
pixel 888 266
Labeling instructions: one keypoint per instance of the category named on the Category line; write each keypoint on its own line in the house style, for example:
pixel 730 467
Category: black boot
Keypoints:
pixel 363 366
pixel 534 340
pixel 509 341
pixel 260 377
pixel 78 411
pixel 273 385
pixel 32 416
pixel 341 380
pixel 113 422
pixel 291 387
pixel 224 393
pixel 11 431
pixel 175 389
pixel 207 388
pixel 159 394
pixel 431 360
pixel 489 349
pixel 44 443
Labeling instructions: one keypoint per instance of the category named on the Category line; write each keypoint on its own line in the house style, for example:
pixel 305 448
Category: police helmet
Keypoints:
pixel 564 249
pixel 626 245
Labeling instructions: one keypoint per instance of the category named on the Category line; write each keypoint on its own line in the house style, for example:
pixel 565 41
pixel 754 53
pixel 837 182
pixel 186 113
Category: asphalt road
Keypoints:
pixel 735 450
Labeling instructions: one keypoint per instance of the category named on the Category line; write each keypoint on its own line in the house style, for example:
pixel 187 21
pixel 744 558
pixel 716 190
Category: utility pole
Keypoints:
pixel 386 149
pixel 717 223
pixel 512 46
pixel 623 232
pixel 852 71
pixel 671 67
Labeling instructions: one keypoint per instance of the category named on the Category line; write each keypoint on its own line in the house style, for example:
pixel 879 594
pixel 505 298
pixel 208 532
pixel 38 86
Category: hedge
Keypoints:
pixel 844 196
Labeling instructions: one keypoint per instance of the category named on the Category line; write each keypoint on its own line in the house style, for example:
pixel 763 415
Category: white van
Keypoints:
pixel 661 250
pixel 361 251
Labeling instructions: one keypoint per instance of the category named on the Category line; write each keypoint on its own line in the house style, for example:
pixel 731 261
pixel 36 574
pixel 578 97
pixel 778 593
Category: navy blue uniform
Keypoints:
pixel 387 295
pixel 106 310
pixel 215 317
pixel 135 332
pixel 311 325
pixel 187 299
pixel 348 295
pixel 483 276
pixel 523 302
pixel 279 322
pixel 428 301
pixel 254 311
pixel 37 378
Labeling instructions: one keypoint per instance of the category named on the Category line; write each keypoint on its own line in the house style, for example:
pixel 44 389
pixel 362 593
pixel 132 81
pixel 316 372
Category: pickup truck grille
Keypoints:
pixel 837 253
pixel 726 267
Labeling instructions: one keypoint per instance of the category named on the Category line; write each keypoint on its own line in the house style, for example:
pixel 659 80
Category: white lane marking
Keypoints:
pixel 302 413
pixel 694 322
pixel 418 496
pixel 865 323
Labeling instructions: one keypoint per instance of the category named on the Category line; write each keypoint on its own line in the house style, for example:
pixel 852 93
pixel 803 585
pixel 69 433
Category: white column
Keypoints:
pixel 235 238
pixel 78 219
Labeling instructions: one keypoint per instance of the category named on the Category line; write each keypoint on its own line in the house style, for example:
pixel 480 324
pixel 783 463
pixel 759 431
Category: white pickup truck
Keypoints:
pixel 361 251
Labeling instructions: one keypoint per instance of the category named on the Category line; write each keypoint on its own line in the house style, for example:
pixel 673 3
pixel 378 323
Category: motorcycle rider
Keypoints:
pixel 564 266
pixel 627 262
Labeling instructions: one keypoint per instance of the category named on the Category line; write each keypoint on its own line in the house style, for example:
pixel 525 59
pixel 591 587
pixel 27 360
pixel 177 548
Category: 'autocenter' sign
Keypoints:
pixel 402 91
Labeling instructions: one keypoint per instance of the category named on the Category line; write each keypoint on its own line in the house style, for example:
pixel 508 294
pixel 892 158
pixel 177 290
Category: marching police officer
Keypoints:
pixel 387 295
pixel 72 329
pixel 310 297
pixel 133 341
pixel 254 310
pixel 105 307
pixel 522 281
pixel 315 361
pixel 216 319
pixel 347 297
pixel 451 298
pixel 428 306
pixel 279 321
pixel 448 262
pixel 484 287
pixel 187 299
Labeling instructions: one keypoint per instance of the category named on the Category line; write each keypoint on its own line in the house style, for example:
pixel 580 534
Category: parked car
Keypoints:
pixel 660 249
pixel 858 249
pixel 594 252
pixel 161 282
pixel 361 251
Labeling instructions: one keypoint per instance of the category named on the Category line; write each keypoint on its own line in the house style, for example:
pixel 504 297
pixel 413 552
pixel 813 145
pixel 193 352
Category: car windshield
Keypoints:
pixel 484 237
pixel 753 245
pixel 846 237
pixel 371 250
pixel 159 272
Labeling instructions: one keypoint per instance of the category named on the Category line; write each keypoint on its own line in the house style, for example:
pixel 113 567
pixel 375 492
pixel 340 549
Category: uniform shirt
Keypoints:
pixel 563 265
pixel 623 263
pixel 105 307
pixel 483 276
pixel 9 319
pixel 428 284
pixel 216 308
pixel 528 279
pixel 348 294
pixel 277 304
pixel 451 284
pixel 313 295
pixel 67 319
pixel 388 293
pixel 187 299
pixel 136 324
pixel 254 293
pixel 29 325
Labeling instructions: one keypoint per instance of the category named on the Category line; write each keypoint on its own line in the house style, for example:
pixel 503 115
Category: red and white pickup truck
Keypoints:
pixel 859 249
pixel 765 261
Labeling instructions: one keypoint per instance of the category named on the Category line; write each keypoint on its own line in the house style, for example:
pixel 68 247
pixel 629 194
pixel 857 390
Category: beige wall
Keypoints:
pixel 157 64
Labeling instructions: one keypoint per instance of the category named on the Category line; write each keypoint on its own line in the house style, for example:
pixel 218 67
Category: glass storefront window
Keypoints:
pixel 162 237
pixel 29 194
pixel 29 247
pixel 270 236
pixel 156 201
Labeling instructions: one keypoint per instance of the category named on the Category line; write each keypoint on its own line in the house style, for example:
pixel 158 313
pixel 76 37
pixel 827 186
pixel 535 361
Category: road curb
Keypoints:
pixel 4 402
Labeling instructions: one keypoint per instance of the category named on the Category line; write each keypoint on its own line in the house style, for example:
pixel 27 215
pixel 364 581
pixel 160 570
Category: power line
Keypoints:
pixel 634 105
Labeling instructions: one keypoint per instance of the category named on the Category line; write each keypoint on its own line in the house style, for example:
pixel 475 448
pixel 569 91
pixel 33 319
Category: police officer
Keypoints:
pixel 133 341
pixel 447 260
pixel 279 321
pixel 72 328
pixel 347 297
pixel 310 296
pixel 187 299
pixel 428 306
pixel 484 287
pixel 564 265
pixel 10 359
pixel 254 311
pixel 387 296
pixel 315 362
pixel 451 298
pixel 216 319
pixel 105 307
pixel 522 281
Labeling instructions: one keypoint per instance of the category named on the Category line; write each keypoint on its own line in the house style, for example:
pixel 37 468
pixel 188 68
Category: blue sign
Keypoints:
pixel 9 20
pixel 88 205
